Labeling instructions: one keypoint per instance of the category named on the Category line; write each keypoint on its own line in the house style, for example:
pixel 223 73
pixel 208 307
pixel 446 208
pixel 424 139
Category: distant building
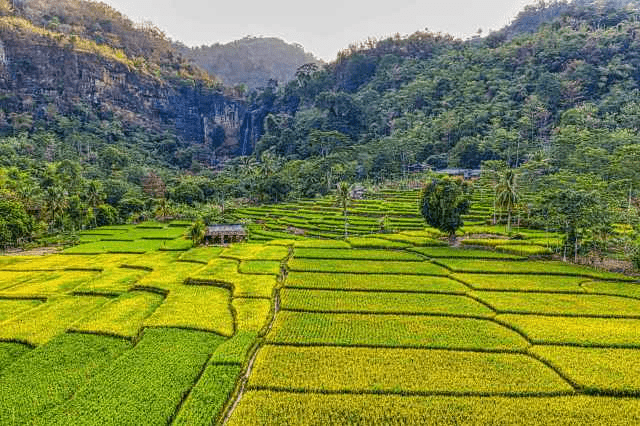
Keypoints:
pixel 222 234
pixel 466 173
pixel 358 192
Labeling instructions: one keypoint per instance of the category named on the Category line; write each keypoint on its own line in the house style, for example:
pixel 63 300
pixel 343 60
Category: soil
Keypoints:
pixel 39 251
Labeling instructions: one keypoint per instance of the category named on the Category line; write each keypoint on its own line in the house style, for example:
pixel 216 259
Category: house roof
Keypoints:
pixel 217 229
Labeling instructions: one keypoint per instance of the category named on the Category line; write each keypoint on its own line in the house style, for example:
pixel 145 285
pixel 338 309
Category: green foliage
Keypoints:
pixel 51 374
pixel 209 395
pixel 443 203
pixel 197 232
pixel 162 368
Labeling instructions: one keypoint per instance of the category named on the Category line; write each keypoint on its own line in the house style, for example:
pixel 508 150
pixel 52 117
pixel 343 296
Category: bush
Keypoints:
pixel 635 257
pixel 106 215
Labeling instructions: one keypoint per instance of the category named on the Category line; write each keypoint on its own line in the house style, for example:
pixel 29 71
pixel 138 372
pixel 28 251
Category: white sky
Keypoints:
pixel 323 27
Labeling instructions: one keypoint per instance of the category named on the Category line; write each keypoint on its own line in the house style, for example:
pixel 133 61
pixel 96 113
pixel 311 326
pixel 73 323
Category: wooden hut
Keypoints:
pixel 222 234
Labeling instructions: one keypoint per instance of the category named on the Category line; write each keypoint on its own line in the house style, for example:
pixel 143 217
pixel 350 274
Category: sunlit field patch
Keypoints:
pixel 279 408
pixel 392 331
pixel 561 304
pixel 38 326
pixel 408 283
pixel 522 282
pixel 401 370
pixel 378 302
pixel 366 267
pixel 577 331
pixel 615 371
pixel 121 317
pixel 195 307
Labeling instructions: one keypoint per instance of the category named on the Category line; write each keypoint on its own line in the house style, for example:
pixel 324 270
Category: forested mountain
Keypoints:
pixel 92 104
pixel 567 92
pixel 251 61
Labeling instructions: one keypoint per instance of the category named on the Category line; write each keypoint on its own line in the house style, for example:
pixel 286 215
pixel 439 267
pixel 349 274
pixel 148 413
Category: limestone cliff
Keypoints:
pixel 44 72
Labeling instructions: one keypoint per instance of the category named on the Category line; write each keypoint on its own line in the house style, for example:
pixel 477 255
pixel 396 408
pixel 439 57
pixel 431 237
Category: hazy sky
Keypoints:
pixel 323 27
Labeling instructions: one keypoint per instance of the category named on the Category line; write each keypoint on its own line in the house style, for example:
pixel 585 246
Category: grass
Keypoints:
pixel 539 267
pixel 169 276
pixel 612 371
pixel 618 289
pixel 392 331
pixel 201 254
pixel 256 252
pixel 400 371
pixel 368 242
pixel 51 374
pixel 38 326
pixel 50 284
pixel 236 349
pixel 225 271
pixel 195 307
pixel 207 398
pixel 112 280
pixel 560 304
pixel 413 240
pixel 11 308
pixel 373 302
pixel 524 250
pixel 144 385
pixel 121 317
pixel 366 267
pixel 504 282
pixel 576 331
pixel 281 408
pixel 407 283
pixel 251 314
pixel 321 244
pixel 260 267
pixel 9 352
pixel 451 252
pixel 362 254
pixel 98 247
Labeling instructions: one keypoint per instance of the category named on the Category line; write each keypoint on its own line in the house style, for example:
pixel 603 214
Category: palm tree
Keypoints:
pixel 197 232
pixel 343 199
pixel 507 196
pixel 57 203
pixel 94 197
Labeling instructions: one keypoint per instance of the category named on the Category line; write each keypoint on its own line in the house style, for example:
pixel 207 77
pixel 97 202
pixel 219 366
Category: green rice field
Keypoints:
pixel 135 326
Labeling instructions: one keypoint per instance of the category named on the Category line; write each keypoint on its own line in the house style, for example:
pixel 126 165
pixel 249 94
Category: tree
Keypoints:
pixel 507 196
pixel 343 200
pixel 197 232
pixel 443 203
pixel 577 212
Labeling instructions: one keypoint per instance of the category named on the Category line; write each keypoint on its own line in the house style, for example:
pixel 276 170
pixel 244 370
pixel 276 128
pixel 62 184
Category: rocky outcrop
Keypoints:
pixel 38 76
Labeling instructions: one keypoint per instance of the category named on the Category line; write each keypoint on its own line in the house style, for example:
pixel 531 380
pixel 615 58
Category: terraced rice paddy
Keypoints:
pixel 136 327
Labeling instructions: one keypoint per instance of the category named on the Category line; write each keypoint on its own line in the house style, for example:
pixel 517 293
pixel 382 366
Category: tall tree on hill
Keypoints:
pixel 443 203
pixel 507 196
pixel 343 200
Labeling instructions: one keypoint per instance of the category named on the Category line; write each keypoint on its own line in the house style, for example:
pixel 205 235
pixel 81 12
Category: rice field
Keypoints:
pixel 135 326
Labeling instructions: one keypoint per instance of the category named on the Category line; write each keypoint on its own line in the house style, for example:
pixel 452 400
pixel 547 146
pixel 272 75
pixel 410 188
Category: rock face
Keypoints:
pixel 39 75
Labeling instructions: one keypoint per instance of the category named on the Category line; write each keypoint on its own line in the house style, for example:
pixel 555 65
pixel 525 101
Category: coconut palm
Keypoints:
pixel 343 200
pixel 507 196
pixel 197 232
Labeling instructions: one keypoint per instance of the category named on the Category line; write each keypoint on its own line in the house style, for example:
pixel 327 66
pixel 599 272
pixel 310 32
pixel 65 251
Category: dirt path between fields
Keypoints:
pixel 247 373
pixel 40 251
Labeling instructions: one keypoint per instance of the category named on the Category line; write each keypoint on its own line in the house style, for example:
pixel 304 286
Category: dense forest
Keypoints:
pixel 553 95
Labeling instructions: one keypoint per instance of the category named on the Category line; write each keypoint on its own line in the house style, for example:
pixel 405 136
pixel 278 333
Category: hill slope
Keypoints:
pixel 252 61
